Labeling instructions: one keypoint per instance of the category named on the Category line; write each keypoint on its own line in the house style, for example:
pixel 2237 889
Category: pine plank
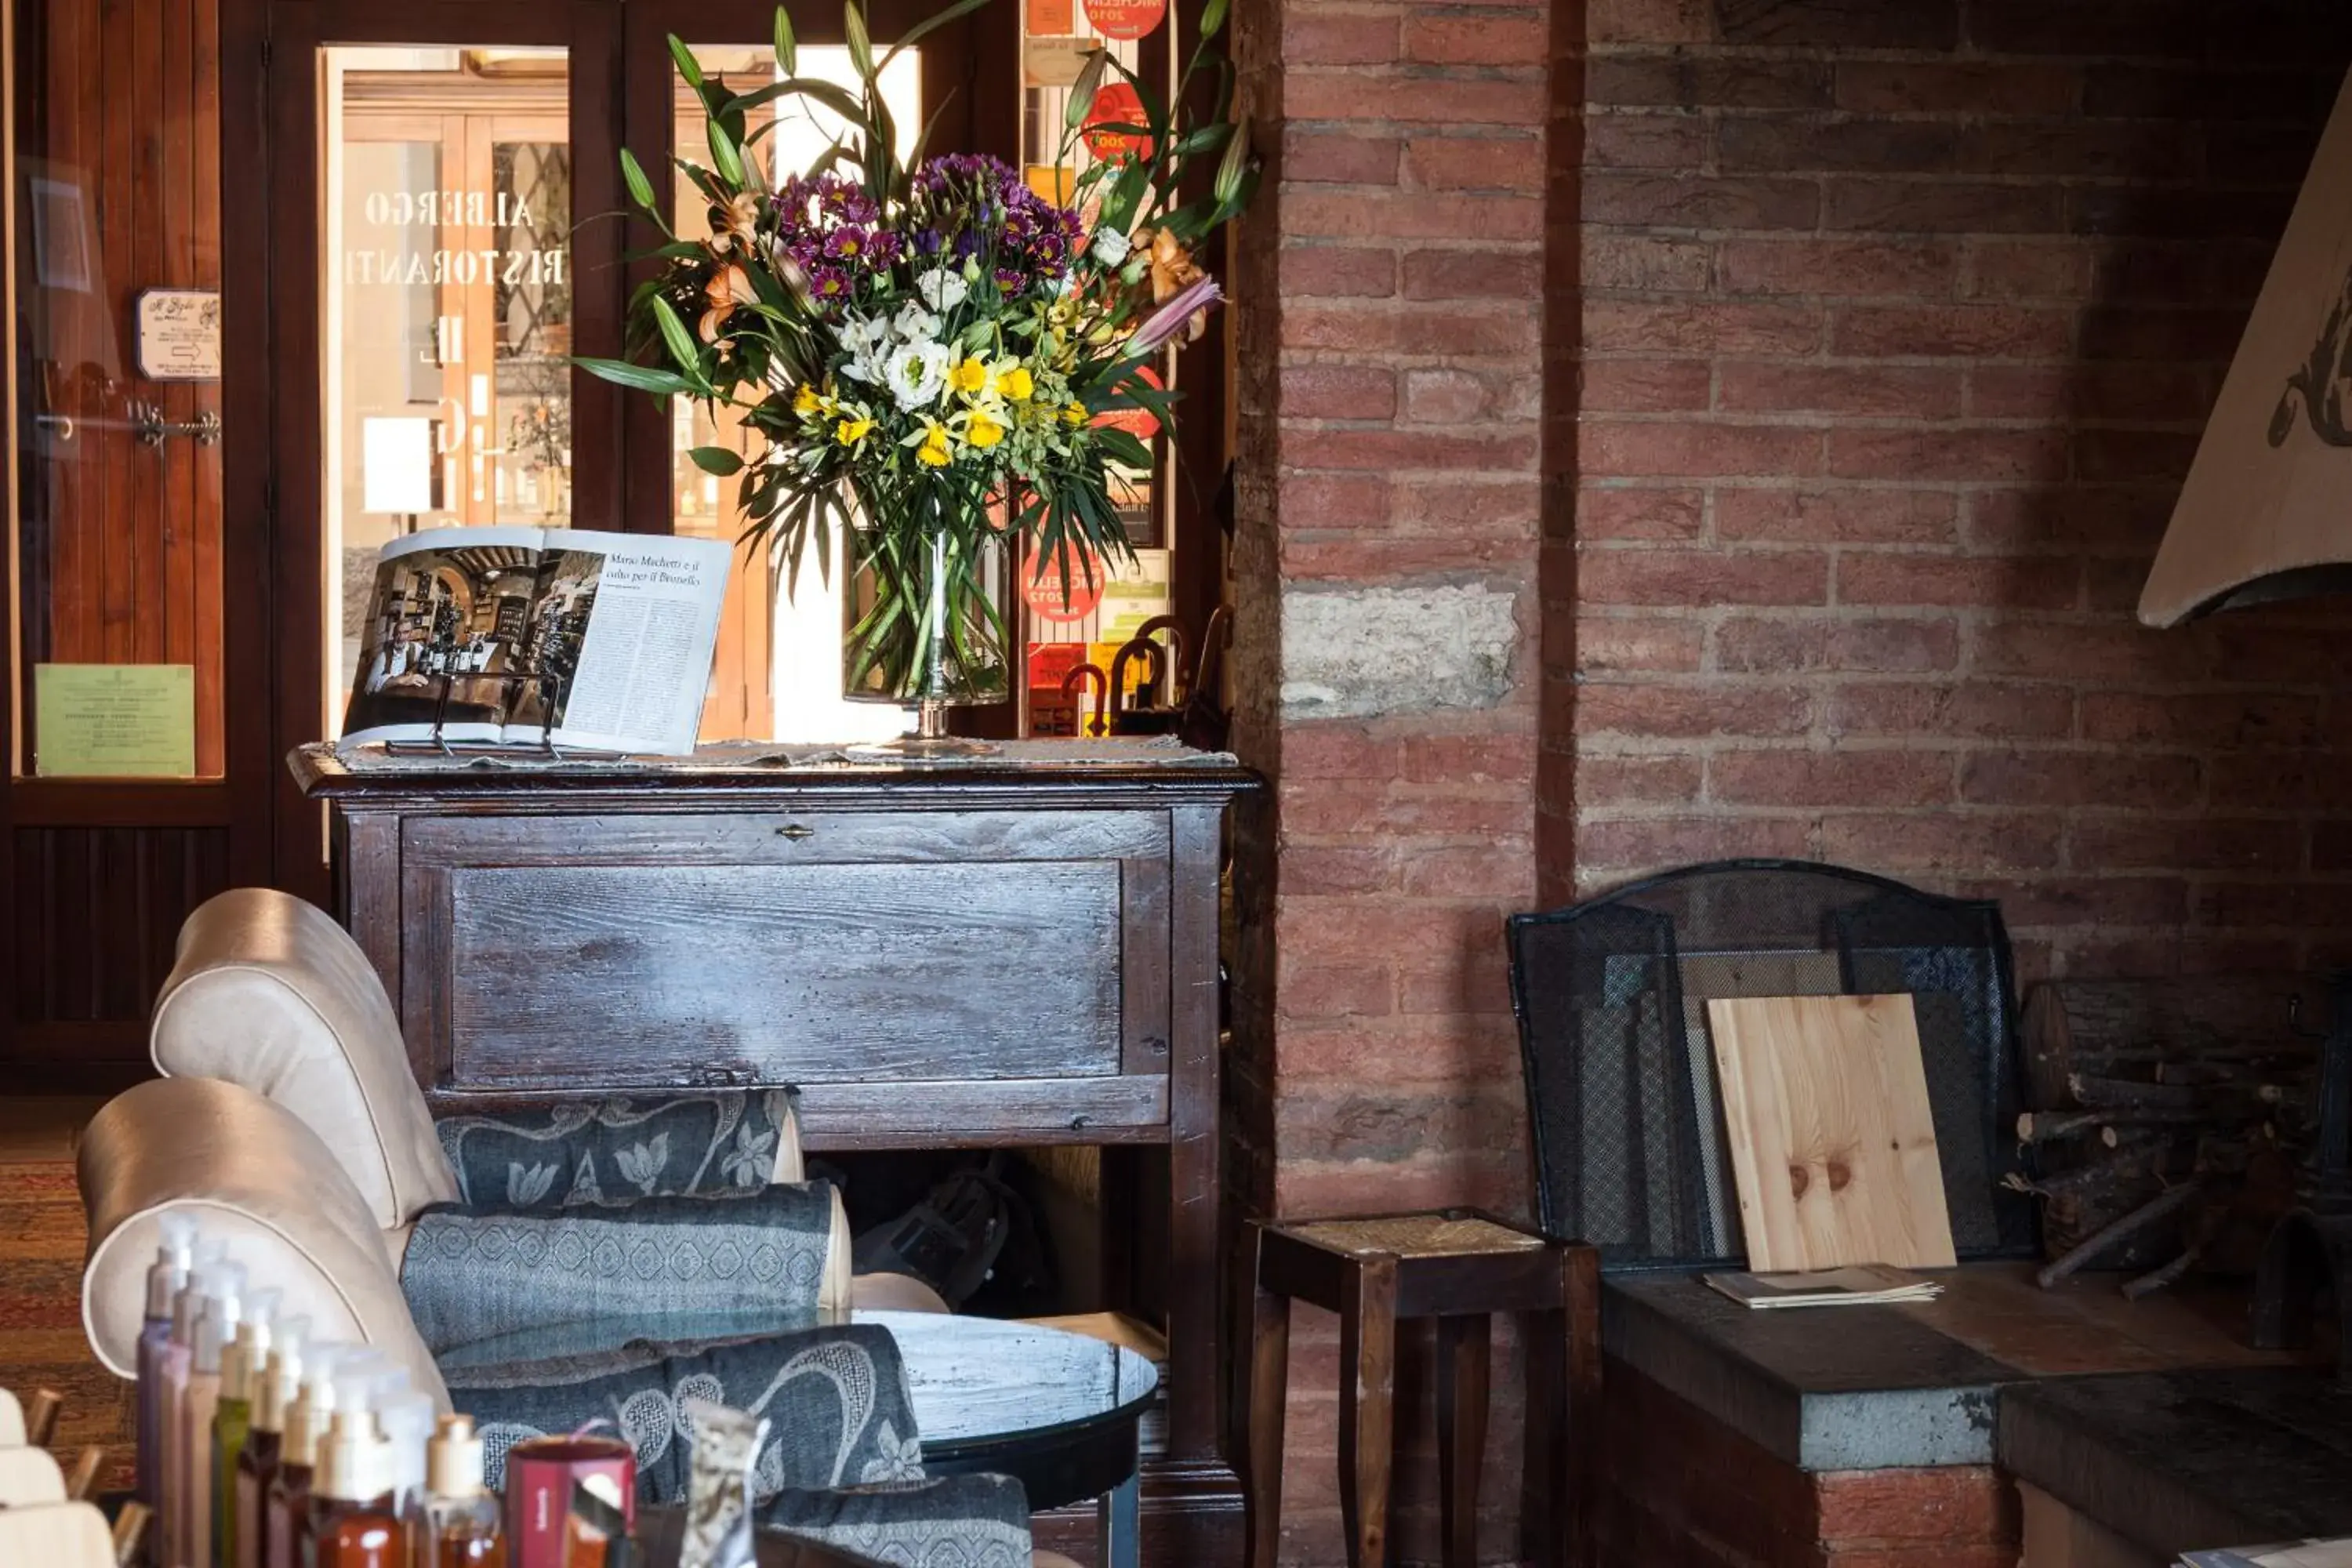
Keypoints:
pixel 1832 1144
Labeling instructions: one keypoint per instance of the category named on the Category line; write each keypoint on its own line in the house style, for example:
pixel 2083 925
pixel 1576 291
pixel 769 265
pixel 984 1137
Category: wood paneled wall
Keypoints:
pixel 119 543
pixel 97 911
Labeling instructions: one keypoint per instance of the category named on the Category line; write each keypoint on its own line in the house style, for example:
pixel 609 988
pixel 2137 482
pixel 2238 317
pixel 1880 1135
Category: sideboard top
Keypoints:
pixel 1157 767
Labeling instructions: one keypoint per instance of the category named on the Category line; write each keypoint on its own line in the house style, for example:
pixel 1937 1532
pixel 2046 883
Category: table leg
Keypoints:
pixel 1367 1399
pixel 1462 1348
pixel 1270 1387
pixel 1118 1538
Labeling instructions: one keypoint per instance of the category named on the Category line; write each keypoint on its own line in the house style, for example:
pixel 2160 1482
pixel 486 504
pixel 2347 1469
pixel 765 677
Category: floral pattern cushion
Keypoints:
pixel 617 1151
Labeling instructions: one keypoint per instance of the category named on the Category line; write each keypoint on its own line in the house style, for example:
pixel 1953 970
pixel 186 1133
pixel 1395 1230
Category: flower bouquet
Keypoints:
pixel 926 350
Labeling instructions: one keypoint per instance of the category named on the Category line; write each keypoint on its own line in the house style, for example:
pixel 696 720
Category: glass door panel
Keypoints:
pixel 117 529
pixel 777 674
pixel 447 300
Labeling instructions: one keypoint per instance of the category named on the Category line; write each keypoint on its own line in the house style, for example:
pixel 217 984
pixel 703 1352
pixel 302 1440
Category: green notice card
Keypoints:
pixel 114 720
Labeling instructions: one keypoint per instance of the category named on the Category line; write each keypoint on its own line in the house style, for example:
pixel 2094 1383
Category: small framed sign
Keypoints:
pixel 179 334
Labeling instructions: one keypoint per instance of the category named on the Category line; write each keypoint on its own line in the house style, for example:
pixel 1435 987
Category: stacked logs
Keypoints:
pixel 2169 1118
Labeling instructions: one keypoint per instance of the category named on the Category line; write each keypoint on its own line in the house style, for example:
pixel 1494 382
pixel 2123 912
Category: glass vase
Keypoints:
pixel 926 622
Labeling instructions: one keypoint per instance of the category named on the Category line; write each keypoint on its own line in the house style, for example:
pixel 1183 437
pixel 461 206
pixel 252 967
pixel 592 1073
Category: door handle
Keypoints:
pixel 795 831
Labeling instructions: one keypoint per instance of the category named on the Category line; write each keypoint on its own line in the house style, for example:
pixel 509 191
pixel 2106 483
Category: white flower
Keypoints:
pixel 913 324
pixel 867 368
pixel 918 373
pixel 941 289
pixel 862 335
pixel 1110 245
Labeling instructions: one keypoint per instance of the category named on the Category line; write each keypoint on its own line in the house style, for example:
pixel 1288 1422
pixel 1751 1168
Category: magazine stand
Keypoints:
pixel 438 744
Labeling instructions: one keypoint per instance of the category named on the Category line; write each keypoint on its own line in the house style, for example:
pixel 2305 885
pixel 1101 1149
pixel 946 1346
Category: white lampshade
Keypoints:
pixel 396 464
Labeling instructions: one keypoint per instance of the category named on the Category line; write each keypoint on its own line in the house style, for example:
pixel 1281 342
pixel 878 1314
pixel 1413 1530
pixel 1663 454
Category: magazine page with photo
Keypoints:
pixel 625 627
pixel 509 635
pixel 447 636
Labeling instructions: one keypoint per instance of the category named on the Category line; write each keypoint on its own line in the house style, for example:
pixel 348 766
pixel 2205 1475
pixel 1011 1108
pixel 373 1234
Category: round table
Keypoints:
pixel 1057 1411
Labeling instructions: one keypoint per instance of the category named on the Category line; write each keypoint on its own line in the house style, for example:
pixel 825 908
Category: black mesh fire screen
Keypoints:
pixel 1611 1001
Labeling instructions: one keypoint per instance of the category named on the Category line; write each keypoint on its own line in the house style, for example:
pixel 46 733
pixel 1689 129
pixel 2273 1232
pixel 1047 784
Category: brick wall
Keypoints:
pixel 1900 322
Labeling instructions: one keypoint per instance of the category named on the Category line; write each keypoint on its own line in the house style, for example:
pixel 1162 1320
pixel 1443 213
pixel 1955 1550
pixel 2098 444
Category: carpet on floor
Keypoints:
pixel 41 1341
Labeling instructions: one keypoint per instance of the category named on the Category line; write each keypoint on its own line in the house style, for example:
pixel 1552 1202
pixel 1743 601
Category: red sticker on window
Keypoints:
pixel 1138 423
pixel 1044 589
pixel 1125 18
pixel 1117 104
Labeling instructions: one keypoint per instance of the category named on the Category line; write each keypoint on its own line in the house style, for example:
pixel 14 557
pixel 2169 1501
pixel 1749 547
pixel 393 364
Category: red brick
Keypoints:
pixel 2032 582
pixel 1685 712
pixel 1620 514
pixel 1336 751
pixel 1698 202
pixel 1907 644
pixel 1337 37
pixel 1474 275
pixel 1895 392
pixel 1947 841
pixel 2237 720
pixel 2029 270
pixel 1688 81
pixel 1992 87
pixel 1374 450
pixel 1960 1506
pixel 1326 868
pixel 1438 39
pixel 2299 903
pixel 1498 506
pixel 1337 271
pixel 1612 644
pixel 1698 578
pixel 1654 843
pixel 1978 709
pixel 1651 263
pixel 1417 100
pixel 1982 331
pixel 1892 205
pixel 1396 1051
pixel 1359 558
pixel 1891 777
pixel 2097 522
pixel 1982 456
pixel 1656 781
pixel 1462 330
pixel 1408 215
pixel 1330 157
pixel 1680 448
pixel 1844 24
pixel 2069 650
pixel 2152 454
pixel 1476 162
pixel 2133 150
pixel 2177 394
pixel 1475 758
pixel 2080 778
pixel 1622 140
pixel 1665 326
pixel 2207 844
pixel 1840 267
pixel 1492 1179
pixel 1339 392
pixel 1334 991
pixel 1336 500
pixel 1646 386
pixel 1837 516
pixel 1650 21
pixel 1778 142
pixel 1504 871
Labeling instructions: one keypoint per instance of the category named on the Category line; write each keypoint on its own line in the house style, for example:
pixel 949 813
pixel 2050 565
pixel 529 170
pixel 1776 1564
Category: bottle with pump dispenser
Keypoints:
pixel 405 1418
pixel 168 1277
pixel 179 1352
pixel 288 1497
pixel 223 1289
pixel 350 1522
pixel 463 1525
pixel 276 1384
pixel 242 1360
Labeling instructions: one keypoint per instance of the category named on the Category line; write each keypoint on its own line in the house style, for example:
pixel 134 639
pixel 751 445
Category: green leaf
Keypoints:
pixel 1212 17
pixel 787 49
pixel 688 66
pixel 728 161
pixel 824 92
pixel 675 336
pixel 716 460
pixel 641 190
pixel 638 377
pixel 861 46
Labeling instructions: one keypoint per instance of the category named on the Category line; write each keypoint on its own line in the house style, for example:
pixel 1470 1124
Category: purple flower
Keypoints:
pixel 1164 323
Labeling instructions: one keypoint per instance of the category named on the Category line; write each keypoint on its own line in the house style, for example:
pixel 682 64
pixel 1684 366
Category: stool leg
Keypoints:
pixel 1564 1414
pixel 1463 1345
pixel 1367 1397
pixel 1270 1387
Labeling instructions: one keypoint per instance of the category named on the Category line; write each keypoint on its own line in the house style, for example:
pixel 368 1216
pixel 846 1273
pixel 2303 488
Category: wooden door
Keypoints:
pixel 137 674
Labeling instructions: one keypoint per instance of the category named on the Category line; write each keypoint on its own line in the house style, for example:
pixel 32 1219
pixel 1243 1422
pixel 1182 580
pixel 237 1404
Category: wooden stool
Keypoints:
pixel 1458 1266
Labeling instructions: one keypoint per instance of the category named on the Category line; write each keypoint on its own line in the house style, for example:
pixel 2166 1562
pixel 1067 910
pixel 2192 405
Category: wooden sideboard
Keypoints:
pixel 1012 952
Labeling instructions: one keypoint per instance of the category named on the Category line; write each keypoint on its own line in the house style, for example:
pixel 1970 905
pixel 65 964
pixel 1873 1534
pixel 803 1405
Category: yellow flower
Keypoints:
pixel 807 401
pixel 850 432
pixel 1074 414
pixel 934 453
pixel 970 378
pixel 1014 383
pixel 982 431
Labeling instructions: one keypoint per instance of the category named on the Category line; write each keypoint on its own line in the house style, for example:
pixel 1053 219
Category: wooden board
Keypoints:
pixel 1833 1145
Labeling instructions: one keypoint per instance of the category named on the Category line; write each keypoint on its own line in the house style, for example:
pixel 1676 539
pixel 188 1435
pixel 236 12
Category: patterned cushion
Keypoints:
pixel 609 1150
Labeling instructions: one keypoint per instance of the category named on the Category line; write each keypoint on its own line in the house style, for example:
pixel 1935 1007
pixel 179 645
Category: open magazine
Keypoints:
pixel 521 636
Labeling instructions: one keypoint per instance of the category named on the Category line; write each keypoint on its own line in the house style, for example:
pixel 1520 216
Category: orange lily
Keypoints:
pixel 728 287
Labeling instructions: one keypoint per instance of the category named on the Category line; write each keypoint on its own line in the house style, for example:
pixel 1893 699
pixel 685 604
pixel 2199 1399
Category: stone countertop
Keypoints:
pixel 1842 1388
pixel 2187 1461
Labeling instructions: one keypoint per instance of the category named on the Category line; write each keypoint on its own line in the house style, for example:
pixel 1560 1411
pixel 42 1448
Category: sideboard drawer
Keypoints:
pixel 808 948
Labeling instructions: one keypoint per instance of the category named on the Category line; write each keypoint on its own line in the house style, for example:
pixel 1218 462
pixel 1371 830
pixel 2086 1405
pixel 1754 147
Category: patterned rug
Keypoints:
pixel 41 1339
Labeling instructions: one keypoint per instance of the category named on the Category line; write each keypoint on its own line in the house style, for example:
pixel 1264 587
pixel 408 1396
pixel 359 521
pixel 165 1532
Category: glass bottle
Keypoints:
pixel 172 1483
pixel 288 1499
pixel 242 1360
pixel 175 1255
pixel 274 1390
pixel 350 1522
pixel 464 1526
pixel 224 1290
